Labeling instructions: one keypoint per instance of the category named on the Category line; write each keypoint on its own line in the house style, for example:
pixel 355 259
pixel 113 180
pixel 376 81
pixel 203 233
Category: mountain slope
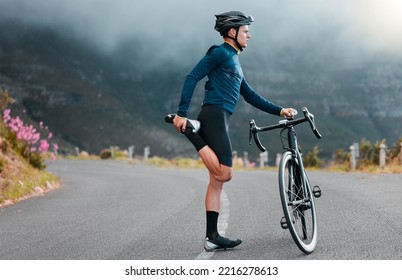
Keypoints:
pixel 93 100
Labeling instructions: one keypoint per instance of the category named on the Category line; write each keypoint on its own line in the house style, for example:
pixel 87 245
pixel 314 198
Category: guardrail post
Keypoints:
pixel 278 159
pixel 131 151
pixel 245 159
pixel 357 150
pixel 147 151
pixel 263 158
pixel 383 155
pixel 77 151
pixel 352 157
pixel 112 151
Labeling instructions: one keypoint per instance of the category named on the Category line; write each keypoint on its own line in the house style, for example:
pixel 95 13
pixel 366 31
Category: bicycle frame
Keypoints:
pixel 294 148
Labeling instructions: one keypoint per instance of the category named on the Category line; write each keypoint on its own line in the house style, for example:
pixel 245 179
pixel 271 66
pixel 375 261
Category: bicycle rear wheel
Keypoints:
pixel 297 203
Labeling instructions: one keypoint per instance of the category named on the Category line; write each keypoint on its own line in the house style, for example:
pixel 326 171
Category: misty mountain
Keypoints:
pixel 94 99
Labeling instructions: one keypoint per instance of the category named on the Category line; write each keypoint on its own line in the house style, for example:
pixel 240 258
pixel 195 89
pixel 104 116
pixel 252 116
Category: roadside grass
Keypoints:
pixel 19 180
pixel 176 162
pixel 391 168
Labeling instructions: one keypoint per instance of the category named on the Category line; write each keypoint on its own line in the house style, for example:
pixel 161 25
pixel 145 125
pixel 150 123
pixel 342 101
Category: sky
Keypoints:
pixel 349 26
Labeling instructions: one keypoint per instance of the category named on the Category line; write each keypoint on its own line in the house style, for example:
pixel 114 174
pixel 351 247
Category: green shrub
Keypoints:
pixel 311 159
pixel 341 156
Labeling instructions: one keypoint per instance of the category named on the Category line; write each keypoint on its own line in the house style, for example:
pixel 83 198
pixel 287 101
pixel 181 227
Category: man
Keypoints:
pixel 209 134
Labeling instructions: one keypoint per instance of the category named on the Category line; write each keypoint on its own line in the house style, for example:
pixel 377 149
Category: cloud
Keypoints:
pixel 377 24
pixel 367 26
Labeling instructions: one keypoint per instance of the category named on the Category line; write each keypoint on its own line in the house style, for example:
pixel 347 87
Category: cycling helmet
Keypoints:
pixel 233 19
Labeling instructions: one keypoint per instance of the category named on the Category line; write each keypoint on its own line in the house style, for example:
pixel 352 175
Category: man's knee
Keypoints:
pixel 228 177
pixel 224 176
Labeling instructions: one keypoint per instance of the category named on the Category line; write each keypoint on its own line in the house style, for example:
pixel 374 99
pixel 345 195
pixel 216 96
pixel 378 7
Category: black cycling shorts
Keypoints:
pixel 215 132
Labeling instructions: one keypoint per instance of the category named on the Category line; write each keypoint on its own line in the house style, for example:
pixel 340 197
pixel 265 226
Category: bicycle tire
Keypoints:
pixel 300 216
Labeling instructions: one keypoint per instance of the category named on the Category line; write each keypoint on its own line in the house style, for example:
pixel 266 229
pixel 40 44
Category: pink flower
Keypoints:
pixel 6 115
pixel 29 134
pixel 44 146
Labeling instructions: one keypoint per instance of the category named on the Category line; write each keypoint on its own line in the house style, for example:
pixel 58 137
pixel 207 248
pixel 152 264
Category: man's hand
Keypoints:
pixel 287 112
pixel 180 123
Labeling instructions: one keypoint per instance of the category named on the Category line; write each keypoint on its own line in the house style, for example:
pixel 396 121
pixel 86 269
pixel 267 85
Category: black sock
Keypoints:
pixel 195 139
pixel 212 224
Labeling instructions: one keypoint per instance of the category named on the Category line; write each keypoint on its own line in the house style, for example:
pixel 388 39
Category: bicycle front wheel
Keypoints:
pixel 297 203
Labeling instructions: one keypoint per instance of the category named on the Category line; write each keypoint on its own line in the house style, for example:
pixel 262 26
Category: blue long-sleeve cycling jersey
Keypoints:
pixel 225 83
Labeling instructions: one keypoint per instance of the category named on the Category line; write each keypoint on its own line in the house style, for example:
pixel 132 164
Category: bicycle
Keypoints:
pixel 297 197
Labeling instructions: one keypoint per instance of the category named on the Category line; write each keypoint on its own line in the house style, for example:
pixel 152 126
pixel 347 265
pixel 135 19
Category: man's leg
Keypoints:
pixel 213 196
pixel 212 206
pixel 219 172
pixel 213 240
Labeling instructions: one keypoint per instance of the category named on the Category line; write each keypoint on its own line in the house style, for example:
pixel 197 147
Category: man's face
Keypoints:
pixel 243 36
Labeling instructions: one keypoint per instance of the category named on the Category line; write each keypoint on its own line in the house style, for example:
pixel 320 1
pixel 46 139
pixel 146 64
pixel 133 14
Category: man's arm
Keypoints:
pixel 211 60
pixel 257 100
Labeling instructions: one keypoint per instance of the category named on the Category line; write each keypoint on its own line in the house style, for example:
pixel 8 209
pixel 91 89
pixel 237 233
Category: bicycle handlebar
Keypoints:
pixel 310 118
pixel 254 129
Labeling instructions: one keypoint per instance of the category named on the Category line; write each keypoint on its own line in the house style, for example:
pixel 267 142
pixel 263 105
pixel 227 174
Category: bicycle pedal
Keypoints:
pixel 284 224
pixel 317 191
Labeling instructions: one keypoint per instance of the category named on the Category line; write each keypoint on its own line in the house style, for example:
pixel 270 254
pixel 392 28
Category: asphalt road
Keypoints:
pixel 115 210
